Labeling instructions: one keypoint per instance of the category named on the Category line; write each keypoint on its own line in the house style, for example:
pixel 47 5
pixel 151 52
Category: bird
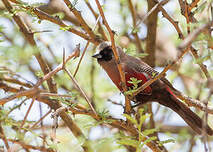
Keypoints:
pixel 161 90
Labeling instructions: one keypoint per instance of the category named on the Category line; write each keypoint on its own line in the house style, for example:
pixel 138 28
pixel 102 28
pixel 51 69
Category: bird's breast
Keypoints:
pixel 114 75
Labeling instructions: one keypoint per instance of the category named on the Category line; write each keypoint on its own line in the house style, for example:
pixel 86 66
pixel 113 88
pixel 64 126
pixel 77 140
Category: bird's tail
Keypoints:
pixel 192 119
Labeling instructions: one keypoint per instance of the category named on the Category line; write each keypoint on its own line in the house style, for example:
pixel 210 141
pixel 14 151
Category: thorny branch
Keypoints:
pixel 184 48
pixel 34 90
pixel 122 75
pixel 187 12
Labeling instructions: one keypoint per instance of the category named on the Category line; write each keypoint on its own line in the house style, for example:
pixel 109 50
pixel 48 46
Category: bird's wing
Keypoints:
pixel 140 66
pixel 145 69
pixel 140 73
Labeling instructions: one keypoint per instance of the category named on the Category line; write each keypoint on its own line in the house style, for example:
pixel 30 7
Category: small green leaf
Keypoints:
pixel 128 142
pixel 130 92
pixel 134 121
pixel 166 141
pixel 142 119
pixel 149 131
pixel 135 30
pixel 148 140
pixel 154 74
pixel 39 74
pixel 141 55
pixel 66 28
pixel 203 59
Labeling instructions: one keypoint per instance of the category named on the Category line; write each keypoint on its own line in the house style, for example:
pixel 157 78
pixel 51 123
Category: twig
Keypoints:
pixel 205 117
pixel 28 35
pixel 35 90
pixel 184 6
pixel 56 95
pixel 84 51
pixel 192 143
pixel 42 118
pixel 80 19
pixel 92 80
pixel 114 102
pixel 81 90
pixel 4 137
pixel 57 6
pixel 25 117
pixel 184 45
pixel 134 32
pixel 26 146
pixel 193 102
pixel 189 101
pixel 8 79
pixel 187 8
pixel 44 16
pixel 101 30
pixel 189 39
pixel 174 23
pixel 192 5
pixel 17 106
pixel 55 122
pixel 16 75
pixel 60 67
pixel 202 66
pixel 29 92
pixel 151 11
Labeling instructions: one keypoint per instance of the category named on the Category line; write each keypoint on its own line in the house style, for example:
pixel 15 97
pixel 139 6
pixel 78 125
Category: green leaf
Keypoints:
pixel 60 15
pixel 141 110
pixel 39 74
pixel 149 131
pixel 166 141
pixel 135 82
pixel 129 51
pixel 148 140
pixel 130 92
pixel 134 121
pixel 66 28
pixel 142 119
pixel 203 59
pixel 128 142
pixel 135 30
pixel 141 55
pixel 154 74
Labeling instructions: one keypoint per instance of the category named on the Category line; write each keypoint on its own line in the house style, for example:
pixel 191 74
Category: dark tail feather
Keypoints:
pixel 193 120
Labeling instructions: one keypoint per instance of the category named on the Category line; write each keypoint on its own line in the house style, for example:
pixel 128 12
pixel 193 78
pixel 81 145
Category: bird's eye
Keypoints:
pixel 106 54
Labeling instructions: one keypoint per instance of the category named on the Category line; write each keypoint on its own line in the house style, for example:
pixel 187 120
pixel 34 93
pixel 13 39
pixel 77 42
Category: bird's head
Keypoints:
pixel 104 53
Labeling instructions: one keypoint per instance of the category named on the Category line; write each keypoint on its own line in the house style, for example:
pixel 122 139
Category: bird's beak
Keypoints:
pixel 97 56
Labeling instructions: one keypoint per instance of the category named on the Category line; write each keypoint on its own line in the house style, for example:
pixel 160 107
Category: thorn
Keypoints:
pixel 21 88
pixel 114 32
pixel 41 31
pixel 176 22
pixel 119 61
pixel 180 35
pixel 103 22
